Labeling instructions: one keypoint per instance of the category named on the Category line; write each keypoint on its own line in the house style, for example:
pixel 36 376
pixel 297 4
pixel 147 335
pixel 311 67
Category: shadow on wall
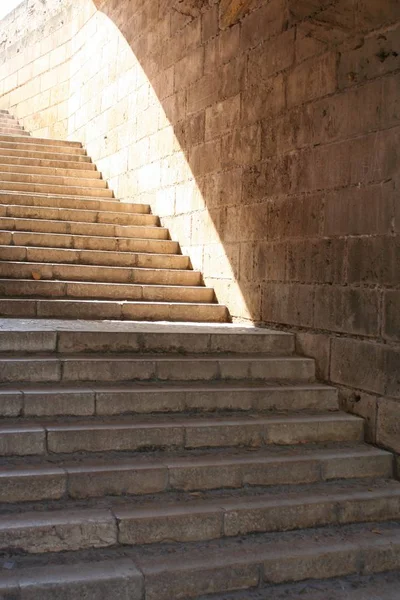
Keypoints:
pixel 257 132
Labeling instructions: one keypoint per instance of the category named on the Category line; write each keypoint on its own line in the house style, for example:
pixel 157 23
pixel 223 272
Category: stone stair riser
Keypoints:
pixel 77 215
pixel 115 310
pixel 39 440
pixel 80 242
pixel 118 479
pixel 154 368
pixel 84 229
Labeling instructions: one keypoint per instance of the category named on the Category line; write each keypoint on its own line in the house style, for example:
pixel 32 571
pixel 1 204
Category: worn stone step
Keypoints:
pixel 84 229
pixel 215 516
pixel 37 169
pixel 35 141
pixel 105 291
pixel 39 336
pixel 101 274
pixel 25 438
pixel 15 159
pixel 77 215
pixel 354 587
pixel 12 131
pixel 93 243
pixel 187 570
pixel 73 190
pixel 154 367
pixel 115 400
pixel 116 310
pixel 92 581
pixel 57 179
pixel 31 152
pixel 236 513
pixel 66 202
pixel 194 471
pixel 94 257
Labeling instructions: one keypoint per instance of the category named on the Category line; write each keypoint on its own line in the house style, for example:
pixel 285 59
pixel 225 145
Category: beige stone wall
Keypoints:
pixel 266 134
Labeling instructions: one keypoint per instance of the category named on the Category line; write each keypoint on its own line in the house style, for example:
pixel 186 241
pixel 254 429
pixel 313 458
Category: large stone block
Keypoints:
pixel 347 310
pixel 263 23
pixel 388 424
pixel 358 364
pixel 312 79
pixel 289 304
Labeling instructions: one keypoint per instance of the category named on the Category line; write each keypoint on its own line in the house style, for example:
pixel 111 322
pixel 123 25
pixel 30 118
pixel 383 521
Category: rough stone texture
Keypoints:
pixel 265 134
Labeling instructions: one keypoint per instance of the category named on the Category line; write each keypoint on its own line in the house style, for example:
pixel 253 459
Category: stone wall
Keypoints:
pixel 266 133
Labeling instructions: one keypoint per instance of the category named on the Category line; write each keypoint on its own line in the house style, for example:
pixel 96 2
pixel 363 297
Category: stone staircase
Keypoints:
pixel 158 462
pixel 68 249
pixel 153 461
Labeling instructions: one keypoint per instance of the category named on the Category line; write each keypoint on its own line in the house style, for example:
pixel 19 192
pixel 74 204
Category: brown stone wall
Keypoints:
pixel 266 133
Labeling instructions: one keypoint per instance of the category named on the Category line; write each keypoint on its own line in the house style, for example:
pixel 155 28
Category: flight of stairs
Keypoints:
pixel 68 249
pixel 167 462
pixel 163 461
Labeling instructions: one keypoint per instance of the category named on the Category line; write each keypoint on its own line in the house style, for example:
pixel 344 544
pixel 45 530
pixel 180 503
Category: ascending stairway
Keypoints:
pixel 68 249
pixel 149 461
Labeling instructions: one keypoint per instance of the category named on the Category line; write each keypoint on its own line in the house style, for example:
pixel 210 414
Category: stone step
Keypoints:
pixel 115 310
pixel 107 230
pixel 30 152
pixel 187 570
pixel 12 131
pixel 191 472
pixel 61 337
pixel 154 367
pixel 37 169
pixel 92 581
pixel 71 146
pixel 27 438
pixel 105 291
pixel 59 201
pixel 70 201
pixel 73 190
pixel 58 179
pixel 15 159
pixel 77 215
pixel 94 257
pixel 8 119
pixel 81 242
pixel 377 587
pixel 100 274
pixel 117 400
pixel 161 520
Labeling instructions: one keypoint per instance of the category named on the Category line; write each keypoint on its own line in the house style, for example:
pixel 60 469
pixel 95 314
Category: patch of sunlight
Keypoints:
pixel 7 6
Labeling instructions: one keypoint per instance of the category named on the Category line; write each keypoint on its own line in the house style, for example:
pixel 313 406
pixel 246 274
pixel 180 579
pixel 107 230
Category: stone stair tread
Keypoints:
pixel 94 216
pixel 18 168
pixel 188 457
pixel 185 570
pixel 57 326
pixel 23 196
pixel 170 503
pixel 54 188
pixel 17 159
pixel 33 153
pixel 51 142
pixel 182 419
pixel 189 274
pixel 77 228
pixel 77 242
pixel 100 253
pixel 56 179
pixel 114 310
pixel 383 586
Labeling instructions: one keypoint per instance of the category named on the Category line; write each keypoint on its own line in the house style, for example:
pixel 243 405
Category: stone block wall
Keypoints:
pixel 266 133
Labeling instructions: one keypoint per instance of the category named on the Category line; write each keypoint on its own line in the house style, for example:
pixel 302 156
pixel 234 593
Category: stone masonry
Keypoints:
pixel 265 134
